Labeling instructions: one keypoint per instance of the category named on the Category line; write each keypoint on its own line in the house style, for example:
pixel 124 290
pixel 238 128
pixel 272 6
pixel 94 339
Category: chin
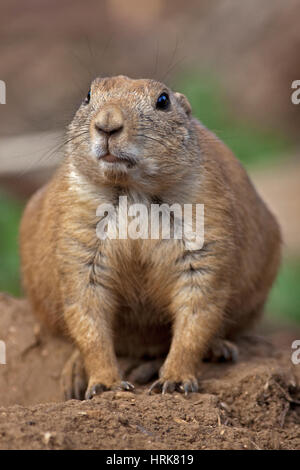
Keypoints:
pixel 114 172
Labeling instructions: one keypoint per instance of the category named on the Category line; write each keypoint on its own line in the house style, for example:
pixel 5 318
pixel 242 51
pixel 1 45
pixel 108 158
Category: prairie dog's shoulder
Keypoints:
pixel 32 213
pixel 227 186
pixel 221 165
pixel 42 208
pixel 214 150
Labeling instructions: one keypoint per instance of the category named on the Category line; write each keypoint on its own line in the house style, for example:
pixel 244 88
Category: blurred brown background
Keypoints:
pixel 235 61
pixel 50 50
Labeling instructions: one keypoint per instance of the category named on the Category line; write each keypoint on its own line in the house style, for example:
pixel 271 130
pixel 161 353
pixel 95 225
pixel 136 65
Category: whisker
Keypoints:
pixel 152 138
pixel 49 153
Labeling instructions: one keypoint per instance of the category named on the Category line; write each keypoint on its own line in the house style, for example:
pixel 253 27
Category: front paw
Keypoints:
pixel 168 385
pixel 97 388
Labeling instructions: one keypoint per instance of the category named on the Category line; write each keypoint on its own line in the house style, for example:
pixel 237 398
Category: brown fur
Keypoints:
pixel 146 297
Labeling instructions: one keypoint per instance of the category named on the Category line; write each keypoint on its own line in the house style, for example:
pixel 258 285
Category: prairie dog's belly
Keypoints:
pixel 142 278
pixel 140 275
pixel 140 340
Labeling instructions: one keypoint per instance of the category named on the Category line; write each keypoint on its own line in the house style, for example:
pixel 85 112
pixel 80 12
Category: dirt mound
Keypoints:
pixel 253 404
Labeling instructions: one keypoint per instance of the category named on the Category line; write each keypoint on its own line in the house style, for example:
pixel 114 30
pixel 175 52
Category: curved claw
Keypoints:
pixel 99 388
pixel 156 386
pixel 169 386
pixel 127 386
pixel 95 390
pixel 190 386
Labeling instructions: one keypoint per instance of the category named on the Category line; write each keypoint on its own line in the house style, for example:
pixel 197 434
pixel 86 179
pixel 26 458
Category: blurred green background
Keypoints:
pixel 256 148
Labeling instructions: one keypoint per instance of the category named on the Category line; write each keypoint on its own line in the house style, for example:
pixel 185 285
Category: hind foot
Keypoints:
pixel 73 378
pixel 145 372
pixel 222 350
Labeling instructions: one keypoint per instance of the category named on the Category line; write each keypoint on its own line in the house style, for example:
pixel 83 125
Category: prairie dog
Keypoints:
pixel 146 297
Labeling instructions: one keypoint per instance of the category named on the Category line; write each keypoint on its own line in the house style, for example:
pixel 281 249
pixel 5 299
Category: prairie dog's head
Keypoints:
pixel 134 132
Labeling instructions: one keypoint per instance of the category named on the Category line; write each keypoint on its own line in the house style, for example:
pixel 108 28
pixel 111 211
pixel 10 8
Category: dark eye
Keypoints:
pixel 88 98
pixel 163 102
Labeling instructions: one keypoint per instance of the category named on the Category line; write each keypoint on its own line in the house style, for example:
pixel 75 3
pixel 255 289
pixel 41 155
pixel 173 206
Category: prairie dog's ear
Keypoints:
pixel 184 102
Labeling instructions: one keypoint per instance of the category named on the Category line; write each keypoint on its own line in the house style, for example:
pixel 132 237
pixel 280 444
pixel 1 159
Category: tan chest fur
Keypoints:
pixel 138 273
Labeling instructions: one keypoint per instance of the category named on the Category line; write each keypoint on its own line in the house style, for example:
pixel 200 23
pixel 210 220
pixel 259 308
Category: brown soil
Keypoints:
pixel 253 404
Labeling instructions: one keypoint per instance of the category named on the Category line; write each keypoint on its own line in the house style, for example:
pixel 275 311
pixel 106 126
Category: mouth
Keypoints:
pixel 109 158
